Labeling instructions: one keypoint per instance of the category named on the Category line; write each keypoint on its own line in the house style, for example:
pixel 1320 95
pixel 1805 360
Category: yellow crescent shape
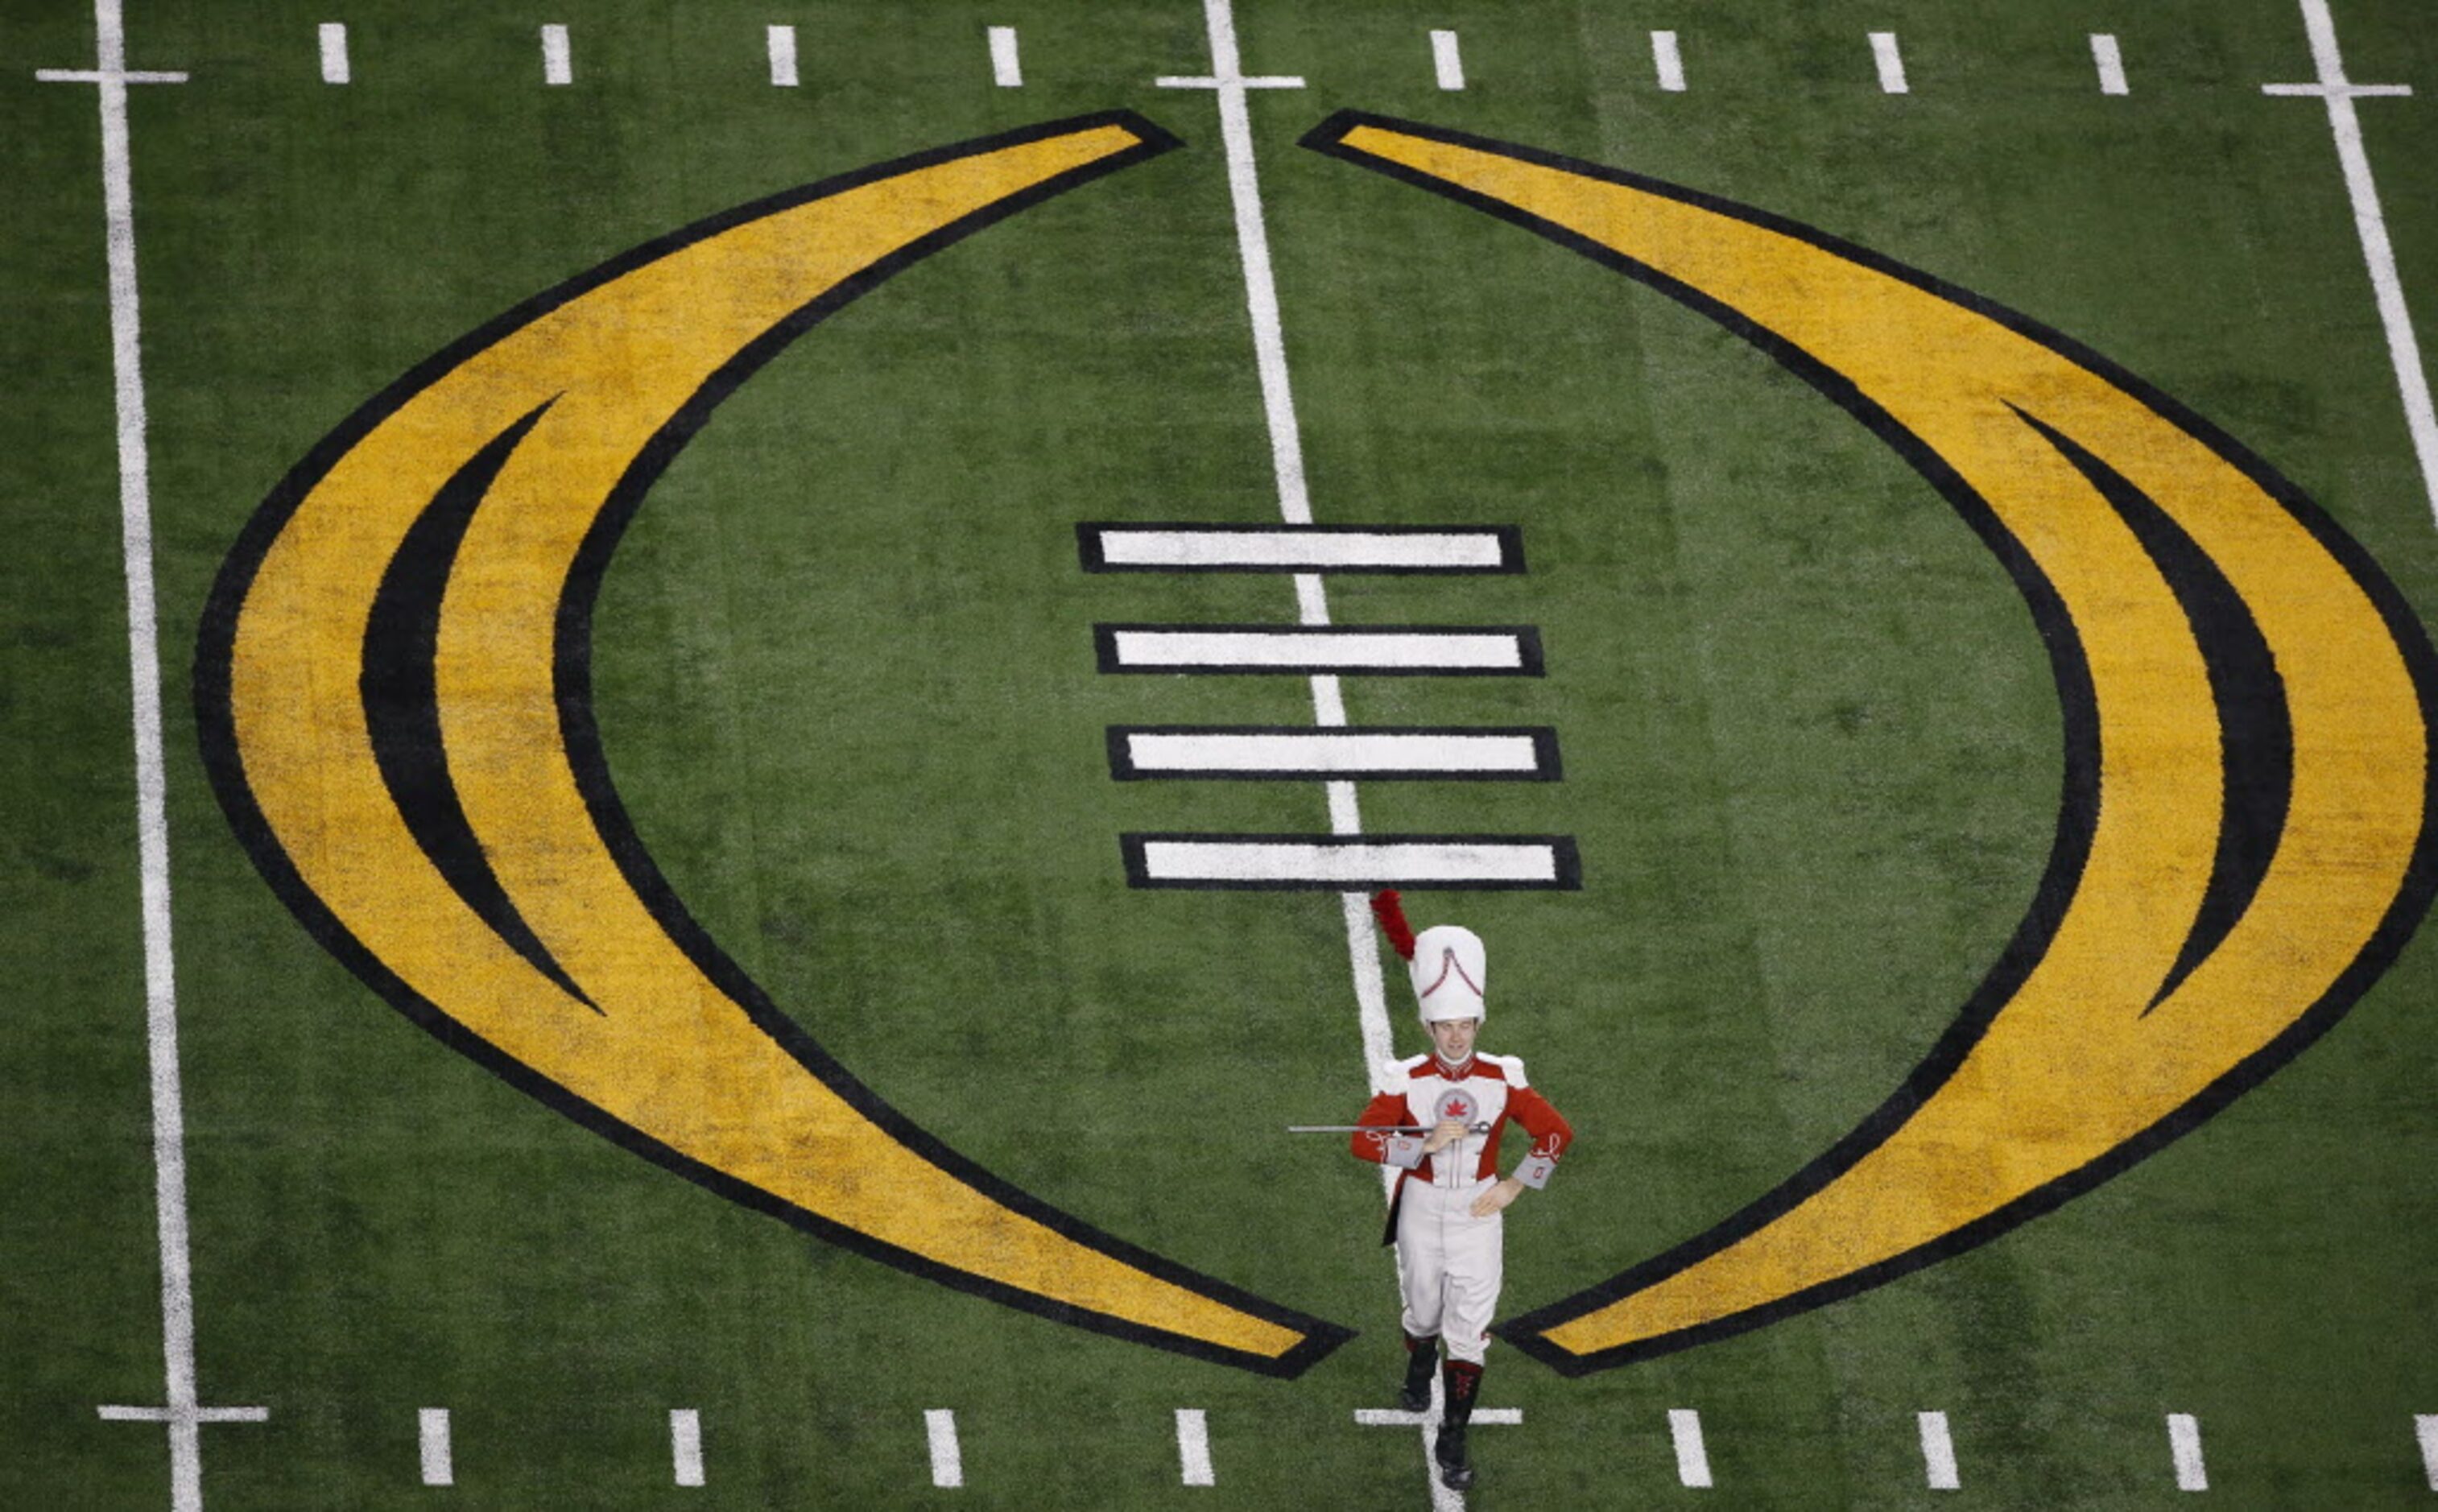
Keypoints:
pixel 2246 840
pixel 393 685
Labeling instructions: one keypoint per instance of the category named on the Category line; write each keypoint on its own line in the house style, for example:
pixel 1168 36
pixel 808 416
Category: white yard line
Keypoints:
pixel 1667 61
pixel 556 66
pixel 1891 62
pixel 947 1460
pixel 1446 60
pixel 1193 1448
pixel 2184 1442
pixel 2403 350
pixel 685 1446
pixel 432 1449
pixel 1937 1453
pixel 1692 1457
pixel 1007 70
pixel 1230 85
pixel 182 1411
pixel 782 43
pixel 2109 61
pixel 333 37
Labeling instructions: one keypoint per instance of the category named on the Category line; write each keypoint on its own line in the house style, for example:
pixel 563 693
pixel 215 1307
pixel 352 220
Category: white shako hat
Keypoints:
pixel 1450 970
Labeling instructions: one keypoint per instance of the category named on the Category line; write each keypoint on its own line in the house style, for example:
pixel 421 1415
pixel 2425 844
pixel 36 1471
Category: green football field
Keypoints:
pixel 662 967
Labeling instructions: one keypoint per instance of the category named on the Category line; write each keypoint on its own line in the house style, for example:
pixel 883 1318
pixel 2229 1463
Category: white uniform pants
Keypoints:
pixel 1450 1264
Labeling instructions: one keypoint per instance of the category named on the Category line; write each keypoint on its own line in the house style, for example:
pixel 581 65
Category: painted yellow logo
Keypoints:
pixel 393 693
pixel 2246 838
pixel 393 685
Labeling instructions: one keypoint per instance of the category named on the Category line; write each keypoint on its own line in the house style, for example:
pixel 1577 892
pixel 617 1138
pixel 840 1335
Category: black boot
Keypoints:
pixel 1463 1382
pixel 1421 1358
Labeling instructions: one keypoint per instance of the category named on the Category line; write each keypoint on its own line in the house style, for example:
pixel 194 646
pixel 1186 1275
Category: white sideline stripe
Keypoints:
pixel 1937 1453
pixel 947 1463
pixel 1692 1459
pixel 1670 63
pixel 2425 1428
pixel 685 1446
pixel 431 1440
pixel 182 1411
pixel 1193 1448
pixel 2403 349
pixel 1522 861
pixel 1285 648
pixel 1392 1417
pixel 1891 62
pixel 1446 59
pixel 555 68
pixel 2111 63
pixel 783 56
pixel 1006 71
pixel 1123 546
pixel 334 52
pixel 1319 751
pixel 2184 1442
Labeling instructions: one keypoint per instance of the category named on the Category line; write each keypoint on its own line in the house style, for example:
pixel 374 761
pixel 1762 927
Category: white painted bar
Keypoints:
pixel 685 1446
pixel 1891 62
pixel 1446 59
pixel 431 1439
pixel 333 37
pixel 1193 1448
pixel 1667 61
pixel 1006 71
pixel 2184 1442
pixel 1692 1457
pixel 1937 1453
pixel 1492 651
pixel 1305 549
pixel 783 56
pixel 1360 863
pixel 557 65
pixel 2109 61
pixel 2425 1428
pixel 1333 752
pixel 947 1461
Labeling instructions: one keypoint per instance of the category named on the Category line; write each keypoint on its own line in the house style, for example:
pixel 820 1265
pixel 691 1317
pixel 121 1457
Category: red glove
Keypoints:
pixel 1390 911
